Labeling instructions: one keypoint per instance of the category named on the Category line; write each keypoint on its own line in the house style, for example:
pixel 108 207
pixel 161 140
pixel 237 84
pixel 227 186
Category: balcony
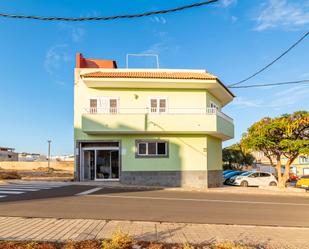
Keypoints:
pixel 157 121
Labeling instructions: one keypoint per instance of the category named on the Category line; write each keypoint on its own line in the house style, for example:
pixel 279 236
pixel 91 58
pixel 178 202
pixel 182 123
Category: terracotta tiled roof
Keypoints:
pixel 152 75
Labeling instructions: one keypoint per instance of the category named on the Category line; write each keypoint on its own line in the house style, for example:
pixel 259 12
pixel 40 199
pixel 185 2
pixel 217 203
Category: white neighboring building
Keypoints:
pixel 31 157
pixel 63 158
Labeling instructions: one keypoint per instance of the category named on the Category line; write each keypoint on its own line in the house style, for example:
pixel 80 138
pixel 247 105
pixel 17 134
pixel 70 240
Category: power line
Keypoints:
pixel 271 63
pixel 106 18
pixel 272 84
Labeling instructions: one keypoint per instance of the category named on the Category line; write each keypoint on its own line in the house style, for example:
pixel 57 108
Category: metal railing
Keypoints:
pixel 159 111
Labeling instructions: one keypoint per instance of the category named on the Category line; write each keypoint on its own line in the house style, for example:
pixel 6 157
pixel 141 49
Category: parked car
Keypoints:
pixel 227 171
pixel 303 182
pixel 254 178
pixel 293 178
pixel 227 176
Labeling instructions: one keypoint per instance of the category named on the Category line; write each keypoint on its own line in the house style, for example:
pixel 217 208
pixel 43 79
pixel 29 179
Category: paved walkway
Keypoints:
pixel 50 229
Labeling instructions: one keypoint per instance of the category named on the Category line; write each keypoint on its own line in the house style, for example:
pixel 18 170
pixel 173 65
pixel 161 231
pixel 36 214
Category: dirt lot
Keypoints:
pixel 39 173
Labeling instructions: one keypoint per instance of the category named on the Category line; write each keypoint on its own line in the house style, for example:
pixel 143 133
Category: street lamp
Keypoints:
pixel 48 158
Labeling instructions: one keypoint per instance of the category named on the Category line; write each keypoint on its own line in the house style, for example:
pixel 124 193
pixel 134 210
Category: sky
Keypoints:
pixel 231 39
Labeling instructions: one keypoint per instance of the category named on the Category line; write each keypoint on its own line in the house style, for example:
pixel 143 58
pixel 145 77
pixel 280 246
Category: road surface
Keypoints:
pixel 158 205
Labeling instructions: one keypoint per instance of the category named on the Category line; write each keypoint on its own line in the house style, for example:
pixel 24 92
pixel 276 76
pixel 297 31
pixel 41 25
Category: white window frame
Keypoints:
pixel 305 170
pixel 158 105
pixel 146 142
pixel 303 159
pixel 117 105
pixel 89 107
pixel 100 108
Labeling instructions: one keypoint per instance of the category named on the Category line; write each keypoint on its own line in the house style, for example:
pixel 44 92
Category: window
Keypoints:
pixel 304 159
pixel 254 175
pixel 213 105
pixel 262 174
pixel 306 171
pixel 93 105
pixel 113 106
pixel 156 148
pixel 103 105
pixel 158 105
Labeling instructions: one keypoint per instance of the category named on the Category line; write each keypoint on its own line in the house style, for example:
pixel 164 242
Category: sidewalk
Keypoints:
pixel 51 229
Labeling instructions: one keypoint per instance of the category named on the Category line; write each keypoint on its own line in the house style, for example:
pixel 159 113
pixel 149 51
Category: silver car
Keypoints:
pixel 254 178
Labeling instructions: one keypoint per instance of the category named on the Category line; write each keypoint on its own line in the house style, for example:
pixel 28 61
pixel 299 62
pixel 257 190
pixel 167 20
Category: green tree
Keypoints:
pixel 286 135
pixel 236 157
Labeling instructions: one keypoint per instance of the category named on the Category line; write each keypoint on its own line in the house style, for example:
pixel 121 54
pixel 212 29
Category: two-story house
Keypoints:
pixel 299 167
pixel 149 126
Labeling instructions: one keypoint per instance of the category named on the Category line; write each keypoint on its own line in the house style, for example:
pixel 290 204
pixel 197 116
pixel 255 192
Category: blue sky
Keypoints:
pixel 231 39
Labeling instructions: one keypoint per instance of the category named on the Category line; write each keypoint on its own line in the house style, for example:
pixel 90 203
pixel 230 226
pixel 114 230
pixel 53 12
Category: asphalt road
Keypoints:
pixel 160 205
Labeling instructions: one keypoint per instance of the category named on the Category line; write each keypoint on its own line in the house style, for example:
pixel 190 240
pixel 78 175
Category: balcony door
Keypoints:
pixel 103 105
pixel 158 105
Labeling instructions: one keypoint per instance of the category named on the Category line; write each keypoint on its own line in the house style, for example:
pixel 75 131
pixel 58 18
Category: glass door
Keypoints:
pixel 103 164
pixel 107 164
pixel 115 164
pixel 88 165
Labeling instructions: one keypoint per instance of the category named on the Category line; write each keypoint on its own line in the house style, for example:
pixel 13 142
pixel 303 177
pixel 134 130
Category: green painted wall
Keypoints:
pixel 214 153
pixel 186 152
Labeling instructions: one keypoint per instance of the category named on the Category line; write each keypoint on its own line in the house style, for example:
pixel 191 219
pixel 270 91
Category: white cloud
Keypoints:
pixel 290 96
pixel 55 57
pixel 161 45
pixel 76 33
pixel 156 48
pixel 278 100
pixel 234 18
pixel 283 14
pixel 244 102
pixel 158 19
pixel 228 3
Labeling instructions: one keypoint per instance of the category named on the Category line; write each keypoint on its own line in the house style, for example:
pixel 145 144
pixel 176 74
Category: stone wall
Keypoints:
pixel 186 179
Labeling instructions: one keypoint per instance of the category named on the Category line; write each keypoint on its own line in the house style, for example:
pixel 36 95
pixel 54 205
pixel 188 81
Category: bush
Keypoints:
pixel 230 245
pixel 119 241
pixel 9 175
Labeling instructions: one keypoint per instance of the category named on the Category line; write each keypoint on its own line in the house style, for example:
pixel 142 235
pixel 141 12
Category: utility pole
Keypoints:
pixel 49 142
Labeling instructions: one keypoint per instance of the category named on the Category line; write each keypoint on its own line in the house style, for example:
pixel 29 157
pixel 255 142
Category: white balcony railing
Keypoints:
pixel 160 111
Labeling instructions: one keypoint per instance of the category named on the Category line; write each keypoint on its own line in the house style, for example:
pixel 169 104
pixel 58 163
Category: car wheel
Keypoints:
pixel 272 184
pixel 244 184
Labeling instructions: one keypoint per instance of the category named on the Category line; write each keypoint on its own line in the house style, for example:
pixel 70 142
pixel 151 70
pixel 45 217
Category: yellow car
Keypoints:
pixel 303 182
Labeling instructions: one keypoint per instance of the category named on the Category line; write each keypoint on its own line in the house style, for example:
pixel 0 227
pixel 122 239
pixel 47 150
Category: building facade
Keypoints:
pixel 8 154
pixel 299 167
pixel 31 157
pixel 149 126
